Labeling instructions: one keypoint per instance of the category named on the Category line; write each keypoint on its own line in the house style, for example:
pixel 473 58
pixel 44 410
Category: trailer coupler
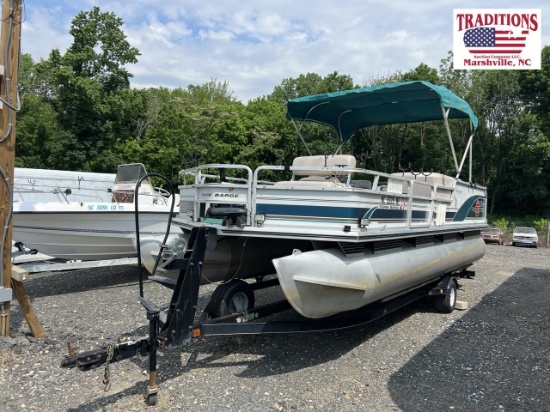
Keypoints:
pixel 93 359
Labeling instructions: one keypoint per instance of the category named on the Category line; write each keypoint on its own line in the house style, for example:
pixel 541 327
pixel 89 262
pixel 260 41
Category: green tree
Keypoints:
pixel 89 89
pixel 311 83
pixel 36 127
pixel 422 72
pixel 535 89
pixel 320 139
pixel 183 126
pixel 269 136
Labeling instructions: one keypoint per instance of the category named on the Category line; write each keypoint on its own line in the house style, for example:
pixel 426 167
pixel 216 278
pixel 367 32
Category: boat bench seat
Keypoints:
pixel 324 170
pixel 445 184
pixel 318 162
pixel 433 179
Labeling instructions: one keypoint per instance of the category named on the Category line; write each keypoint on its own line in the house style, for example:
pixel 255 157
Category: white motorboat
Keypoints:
pixel 338 236
pixel 60 224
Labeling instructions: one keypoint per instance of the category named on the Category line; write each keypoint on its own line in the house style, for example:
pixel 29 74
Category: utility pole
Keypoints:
pixel 9 73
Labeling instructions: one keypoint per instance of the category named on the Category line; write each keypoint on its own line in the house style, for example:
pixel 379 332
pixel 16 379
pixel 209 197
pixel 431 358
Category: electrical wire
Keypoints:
pixel 7 81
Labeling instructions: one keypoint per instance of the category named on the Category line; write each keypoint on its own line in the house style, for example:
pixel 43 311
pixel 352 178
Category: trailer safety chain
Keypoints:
pixel 106 375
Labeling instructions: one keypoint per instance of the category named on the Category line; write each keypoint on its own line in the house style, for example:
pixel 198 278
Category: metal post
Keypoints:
pixel 152 388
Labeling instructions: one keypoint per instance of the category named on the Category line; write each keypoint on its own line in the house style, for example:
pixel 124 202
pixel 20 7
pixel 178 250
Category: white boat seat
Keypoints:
pixel 338 161
pixel 445 184
pixel 323 174
pixel 438 179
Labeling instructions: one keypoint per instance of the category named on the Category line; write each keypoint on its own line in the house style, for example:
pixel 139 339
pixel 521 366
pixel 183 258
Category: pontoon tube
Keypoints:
pixel 322 283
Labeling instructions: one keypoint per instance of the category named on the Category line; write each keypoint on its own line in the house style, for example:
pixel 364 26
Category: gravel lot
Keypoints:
pixel 494 356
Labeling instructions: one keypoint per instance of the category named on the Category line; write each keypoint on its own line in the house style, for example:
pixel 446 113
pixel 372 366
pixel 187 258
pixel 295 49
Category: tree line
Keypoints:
pixel 79 112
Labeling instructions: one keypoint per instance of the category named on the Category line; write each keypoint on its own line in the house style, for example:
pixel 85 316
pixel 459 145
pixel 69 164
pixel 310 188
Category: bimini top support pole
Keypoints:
pixel 300 135
pixel 446 119
pixel 467 151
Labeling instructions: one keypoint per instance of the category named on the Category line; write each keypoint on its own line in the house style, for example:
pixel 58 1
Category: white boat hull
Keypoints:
pixel 84 235
pixel 87 216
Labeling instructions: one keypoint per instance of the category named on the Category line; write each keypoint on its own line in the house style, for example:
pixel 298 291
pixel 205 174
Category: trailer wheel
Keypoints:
pixel 232 297
pixel 447 302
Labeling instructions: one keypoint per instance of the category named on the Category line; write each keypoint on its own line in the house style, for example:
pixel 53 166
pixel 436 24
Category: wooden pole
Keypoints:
pixel 9 60
pixel 18 275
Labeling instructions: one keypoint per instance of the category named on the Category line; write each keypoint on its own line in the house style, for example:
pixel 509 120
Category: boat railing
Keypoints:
pixel 399 190
pixel 209 194
pixel 57 194
pixel 212 190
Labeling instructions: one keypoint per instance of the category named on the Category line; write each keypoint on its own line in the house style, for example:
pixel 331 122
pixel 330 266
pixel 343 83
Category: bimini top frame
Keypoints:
pixel 394 103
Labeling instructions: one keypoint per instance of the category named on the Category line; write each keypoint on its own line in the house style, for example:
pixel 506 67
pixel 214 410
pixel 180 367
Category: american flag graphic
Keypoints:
pixel 490 40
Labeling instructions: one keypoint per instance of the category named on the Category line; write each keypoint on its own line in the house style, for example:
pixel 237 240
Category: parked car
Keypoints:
pixel 525 236
pixel 493 235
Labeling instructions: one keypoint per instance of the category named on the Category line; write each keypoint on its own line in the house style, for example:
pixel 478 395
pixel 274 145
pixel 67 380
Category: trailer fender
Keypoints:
pixel 444 285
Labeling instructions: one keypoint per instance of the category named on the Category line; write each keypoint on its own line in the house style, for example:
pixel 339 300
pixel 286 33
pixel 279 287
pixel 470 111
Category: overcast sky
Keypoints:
pixel 254 45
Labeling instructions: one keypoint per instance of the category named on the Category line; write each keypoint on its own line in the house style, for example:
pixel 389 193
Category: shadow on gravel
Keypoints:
pixel 496 357
pixel 283 353
pixel 57 283
pixel 271 354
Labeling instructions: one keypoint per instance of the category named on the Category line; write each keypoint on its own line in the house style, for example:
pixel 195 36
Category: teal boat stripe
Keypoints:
pixel 338 212
pixel 467 208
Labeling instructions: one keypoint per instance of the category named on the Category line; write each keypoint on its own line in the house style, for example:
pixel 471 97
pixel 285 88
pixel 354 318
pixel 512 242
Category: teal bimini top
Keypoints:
pixel 406 102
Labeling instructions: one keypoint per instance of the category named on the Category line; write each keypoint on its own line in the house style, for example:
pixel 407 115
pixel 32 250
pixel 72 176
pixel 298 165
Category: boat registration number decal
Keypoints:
pixel 104 207
pixel 392 202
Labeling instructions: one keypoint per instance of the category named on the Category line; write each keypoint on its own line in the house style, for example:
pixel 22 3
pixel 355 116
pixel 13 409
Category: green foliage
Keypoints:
pixel 535 89
pixel 311 83
pixel 88 88
pixel 541 224
pixel 509 223
pixel 100 50
pixel 36 128
pixel 501 222
pixel 422 72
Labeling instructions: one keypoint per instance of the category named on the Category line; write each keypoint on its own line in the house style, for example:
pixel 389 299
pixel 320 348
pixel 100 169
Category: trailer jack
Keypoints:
pixel 165 331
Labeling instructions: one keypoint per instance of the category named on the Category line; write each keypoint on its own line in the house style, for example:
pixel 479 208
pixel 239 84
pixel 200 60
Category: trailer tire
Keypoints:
pixel 447 302
pixel 232 297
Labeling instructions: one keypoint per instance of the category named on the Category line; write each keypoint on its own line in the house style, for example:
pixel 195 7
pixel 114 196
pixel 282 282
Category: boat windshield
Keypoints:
pixel 125 182
pixel 130 172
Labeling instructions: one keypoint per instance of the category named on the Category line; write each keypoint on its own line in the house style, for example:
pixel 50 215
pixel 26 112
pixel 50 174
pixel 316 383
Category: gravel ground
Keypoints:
pixel 491 357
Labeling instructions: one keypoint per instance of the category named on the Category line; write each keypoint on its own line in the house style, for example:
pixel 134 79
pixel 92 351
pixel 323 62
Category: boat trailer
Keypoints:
pixel 175 327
